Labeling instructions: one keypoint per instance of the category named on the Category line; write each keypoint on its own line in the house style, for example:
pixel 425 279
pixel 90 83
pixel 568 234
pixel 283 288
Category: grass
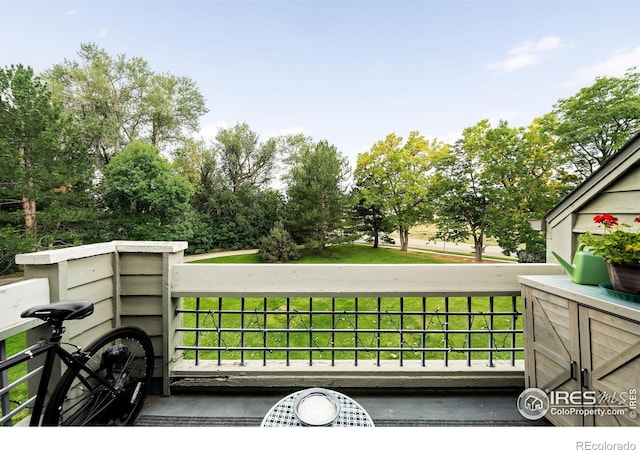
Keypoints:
pixel 307 331
pixel 349 254
pixel 15 344
pixel 273 313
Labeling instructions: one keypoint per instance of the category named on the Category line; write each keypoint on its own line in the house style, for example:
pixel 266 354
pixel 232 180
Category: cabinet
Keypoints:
pixel 582 347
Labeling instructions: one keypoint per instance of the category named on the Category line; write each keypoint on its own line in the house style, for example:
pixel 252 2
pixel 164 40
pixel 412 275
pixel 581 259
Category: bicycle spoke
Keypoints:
pixel 111 387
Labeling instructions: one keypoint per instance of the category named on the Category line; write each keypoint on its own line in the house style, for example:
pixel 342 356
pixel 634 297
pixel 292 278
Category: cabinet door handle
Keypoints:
pixel 574 367
pixel 584 373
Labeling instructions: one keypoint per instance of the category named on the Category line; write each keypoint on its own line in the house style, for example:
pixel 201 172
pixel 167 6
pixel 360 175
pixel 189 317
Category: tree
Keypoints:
pixel 243 160
pixel 121 100
pixel 146 198
pixel 494 180
pixel 369 218
pixel 45 174
pixel 532 176
pixel 458 193
pixel 599 120
pixel 392 178
pixel 239 219
pixel 104 93
pixel 188 160
pixel 317 199
pixel 172 106
pixel 231 194
pixel 278 246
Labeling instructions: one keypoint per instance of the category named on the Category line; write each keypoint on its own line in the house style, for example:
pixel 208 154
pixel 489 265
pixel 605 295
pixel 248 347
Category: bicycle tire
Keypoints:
pixel 124 359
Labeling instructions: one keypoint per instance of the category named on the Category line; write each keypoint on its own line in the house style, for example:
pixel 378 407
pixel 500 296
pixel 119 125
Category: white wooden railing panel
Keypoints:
pixel 15 298
pixel 386 280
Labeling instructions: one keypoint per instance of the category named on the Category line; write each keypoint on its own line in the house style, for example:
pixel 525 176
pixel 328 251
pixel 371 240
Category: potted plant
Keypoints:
pixel 619 246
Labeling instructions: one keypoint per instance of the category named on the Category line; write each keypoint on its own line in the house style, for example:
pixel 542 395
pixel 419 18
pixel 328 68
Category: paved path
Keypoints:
pixel 414 244
pixel 189 258
pixel 490 250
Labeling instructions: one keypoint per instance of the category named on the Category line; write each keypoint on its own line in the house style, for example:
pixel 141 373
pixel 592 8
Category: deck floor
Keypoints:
pixel 387 410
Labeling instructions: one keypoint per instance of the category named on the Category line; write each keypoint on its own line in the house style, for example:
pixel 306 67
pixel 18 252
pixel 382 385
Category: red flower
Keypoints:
pixel 607 220
pixel 637 219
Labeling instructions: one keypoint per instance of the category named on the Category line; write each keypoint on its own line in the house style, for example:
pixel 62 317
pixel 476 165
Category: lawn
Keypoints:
pixel 326 323
pixel 18 394
pixel 350 254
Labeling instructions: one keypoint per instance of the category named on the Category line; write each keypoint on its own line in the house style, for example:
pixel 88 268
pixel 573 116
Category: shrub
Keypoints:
pixel 278 246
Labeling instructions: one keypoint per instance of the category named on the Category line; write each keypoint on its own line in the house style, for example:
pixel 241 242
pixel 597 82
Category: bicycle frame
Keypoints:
pixel 52 348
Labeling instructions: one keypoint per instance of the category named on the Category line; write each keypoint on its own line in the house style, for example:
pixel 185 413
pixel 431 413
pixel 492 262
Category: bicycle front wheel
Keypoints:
pixel 110 388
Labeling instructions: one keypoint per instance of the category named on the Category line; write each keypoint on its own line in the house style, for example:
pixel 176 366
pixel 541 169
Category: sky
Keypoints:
pixel 346 71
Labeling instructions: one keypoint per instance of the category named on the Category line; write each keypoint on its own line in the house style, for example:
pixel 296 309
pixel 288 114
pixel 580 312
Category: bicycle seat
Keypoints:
pixel 65 310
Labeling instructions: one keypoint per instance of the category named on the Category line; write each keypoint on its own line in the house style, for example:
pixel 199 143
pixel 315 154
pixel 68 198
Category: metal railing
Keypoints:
pixel 9 407
pixel 371 328
pixel 239 315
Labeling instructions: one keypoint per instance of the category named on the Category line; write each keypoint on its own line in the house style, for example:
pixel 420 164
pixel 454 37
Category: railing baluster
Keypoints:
pixel 446 334
pixel 287 334
pixel 423 336
pixel 378 333
pixel 469 334
pixel 491 322
pixel 220 330
pixel 514 319
pixel 355 332
pixel 242 346
pixel 333 330
pixel 265 333
pixel 401 331
pixel 311 331
pixel 197 339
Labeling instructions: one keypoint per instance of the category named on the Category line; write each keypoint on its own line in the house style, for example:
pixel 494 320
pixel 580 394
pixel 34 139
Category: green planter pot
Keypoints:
pixel 625 277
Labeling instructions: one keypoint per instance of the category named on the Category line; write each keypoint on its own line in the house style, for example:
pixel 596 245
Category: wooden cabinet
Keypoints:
pixel 582 347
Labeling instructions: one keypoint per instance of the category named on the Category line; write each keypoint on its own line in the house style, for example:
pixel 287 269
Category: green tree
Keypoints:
pixel 188 160
pixel 172 107
pixel 392 178
pixel 531 177
pixel 119 100
pixel 316 194
pixel 494 180
pixel 239 219
pixel 45 174
pixel 369 218
pixel 147 200
pixel 104 93
pixel 278 246
pixel 599 120
pixel 231 187
pixel 458 192
pixel 244 160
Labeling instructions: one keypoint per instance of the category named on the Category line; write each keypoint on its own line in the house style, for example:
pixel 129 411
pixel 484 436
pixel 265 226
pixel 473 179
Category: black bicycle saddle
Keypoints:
pixel 65 310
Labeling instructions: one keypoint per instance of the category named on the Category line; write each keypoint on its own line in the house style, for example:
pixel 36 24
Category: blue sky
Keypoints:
pixel 350 72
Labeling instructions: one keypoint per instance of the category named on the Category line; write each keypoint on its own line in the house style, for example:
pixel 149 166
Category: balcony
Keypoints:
pixel 415 344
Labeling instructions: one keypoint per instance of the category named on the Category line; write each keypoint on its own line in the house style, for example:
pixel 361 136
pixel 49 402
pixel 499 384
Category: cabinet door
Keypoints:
pixel 552 347
pixel 611 366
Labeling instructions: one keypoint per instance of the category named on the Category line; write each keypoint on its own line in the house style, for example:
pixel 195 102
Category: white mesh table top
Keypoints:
pixel 351 413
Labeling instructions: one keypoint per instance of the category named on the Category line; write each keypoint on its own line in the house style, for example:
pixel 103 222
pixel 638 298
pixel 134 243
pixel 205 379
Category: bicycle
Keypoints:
pixel 104 384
